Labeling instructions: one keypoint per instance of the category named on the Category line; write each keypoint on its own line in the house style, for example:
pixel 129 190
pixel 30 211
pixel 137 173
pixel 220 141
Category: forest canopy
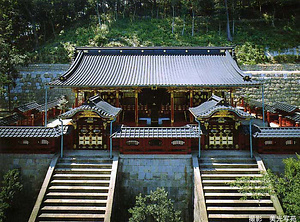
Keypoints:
pixel 49 30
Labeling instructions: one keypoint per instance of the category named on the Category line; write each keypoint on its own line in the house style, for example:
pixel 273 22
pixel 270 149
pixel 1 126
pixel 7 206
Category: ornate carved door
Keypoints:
pixel 221 134
pixel 90 134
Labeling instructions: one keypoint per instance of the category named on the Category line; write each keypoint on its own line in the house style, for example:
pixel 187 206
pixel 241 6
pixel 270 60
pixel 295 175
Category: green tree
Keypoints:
pixel 10 34
pixel 155 207
pixel 286 186
pixel 11 187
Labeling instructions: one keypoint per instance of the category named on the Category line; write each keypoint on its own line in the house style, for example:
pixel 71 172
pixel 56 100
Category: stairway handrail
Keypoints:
pixel 40 198
pixel 111 190
pixel 198 189
pixel 274 198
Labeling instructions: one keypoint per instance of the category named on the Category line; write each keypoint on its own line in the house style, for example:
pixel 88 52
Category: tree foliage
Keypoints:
pixel 155 207
pixel 286 186
pixel 11 187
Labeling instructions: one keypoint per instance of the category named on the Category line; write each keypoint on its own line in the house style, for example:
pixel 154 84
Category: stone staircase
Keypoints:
pixel 81 189
pixel 223 201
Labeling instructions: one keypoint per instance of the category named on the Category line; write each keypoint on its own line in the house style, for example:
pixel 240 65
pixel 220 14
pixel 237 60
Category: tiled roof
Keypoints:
pixel 295 117
pixel 31 131
pixel 95 104
pixel 50 105
pixel 146 67
pixel 8 120
pixel 285 107
pixel 28 106
pixel 213 105
pixel 278 132
pixel 258 104
pixel 187 131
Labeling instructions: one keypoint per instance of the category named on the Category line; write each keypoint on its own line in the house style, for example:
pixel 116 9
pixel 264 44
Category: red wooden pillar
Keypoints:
pixel 191 105
pixel 136 108
pixel 76 98
pixel 43 118
pixel 117 103
pixel 243 103
pixel 231 97
pixel 284 121
pixel 297 124
pixel 172 108
pixel 280 120
pixel 268 117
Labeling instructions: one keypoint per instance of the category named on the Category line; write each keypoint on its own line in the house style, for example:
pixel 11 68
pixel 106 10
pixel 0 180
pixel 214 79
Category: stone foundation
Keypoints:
pixel 33 168
pixel 143 173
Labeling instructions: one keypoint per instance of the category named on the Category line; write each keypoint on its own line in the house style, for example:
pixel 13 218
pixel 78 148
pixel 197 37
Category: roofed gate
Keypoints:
pixel 91 122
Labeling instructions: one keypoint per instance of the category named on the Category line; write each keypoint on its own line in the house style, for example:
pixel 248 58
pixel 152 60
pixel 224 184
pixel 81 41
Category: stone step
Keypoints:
pixel 244 209
pixel 225 153
pixel 228 195
pixel 79 188
pixel 82 176
pixel 75 201
pixel 229 176
pixel 73 208
pixel 85 165
pixel 226 182
pixel 77 195
pixel 73 216
pixel 89 182
pixel 238 202
pixel 84 170
pixel 218 189
pixel 230 170
pixel 228 165
pixel 240 216
pixel 226 160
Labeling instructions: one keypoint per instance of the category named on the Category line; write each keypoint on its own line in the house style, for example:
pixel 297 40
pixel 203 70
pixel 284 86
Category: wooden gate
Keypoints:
pixel 90 132
pixel 222 134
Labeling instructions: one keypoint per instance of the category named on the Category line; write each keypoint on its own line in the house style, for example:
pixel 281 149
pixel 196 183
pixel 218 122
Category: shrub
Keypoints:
pixel 11 187
pixel 250 54
pixel 154 207
pixel 286 186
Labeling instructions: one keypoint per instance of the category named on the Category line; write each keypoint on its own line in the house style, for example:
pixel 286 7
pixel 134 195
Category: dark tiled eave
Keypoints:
pixel 31 131
pixel 258 104
pixel 295 118
pixel 278 132
pixel 28 106
pixel 95 104
pixel 285 107
pixel 158 132
pixel 8 120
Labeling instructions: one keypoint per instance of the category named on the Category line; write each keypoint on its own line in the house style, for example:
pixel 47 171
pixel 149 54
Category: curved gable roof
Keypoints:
pixel 146 67
pixel 95 104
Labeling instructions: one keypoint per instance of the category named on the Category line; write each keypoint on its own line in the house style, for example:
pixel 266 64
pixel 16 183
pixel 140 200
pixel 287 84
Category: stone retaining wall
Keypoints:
pixel 33 168
pixel 30 85
pixel 283 86
pixel 143 173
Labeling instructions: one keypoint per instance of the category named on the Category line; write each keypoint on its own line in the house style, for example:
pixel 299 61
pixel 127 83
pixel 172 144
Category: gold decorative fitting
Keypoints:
pixel 142 51
pixel 121 50
pixel 86 51
pixel 186 50
pixel 208 50
pixel 222 50
pixel 165 50
pixel 99 50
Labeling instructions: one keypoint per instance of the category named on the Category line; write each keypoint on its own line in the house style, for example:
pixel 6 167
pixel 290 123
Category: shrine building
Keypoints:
pixel 156 96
